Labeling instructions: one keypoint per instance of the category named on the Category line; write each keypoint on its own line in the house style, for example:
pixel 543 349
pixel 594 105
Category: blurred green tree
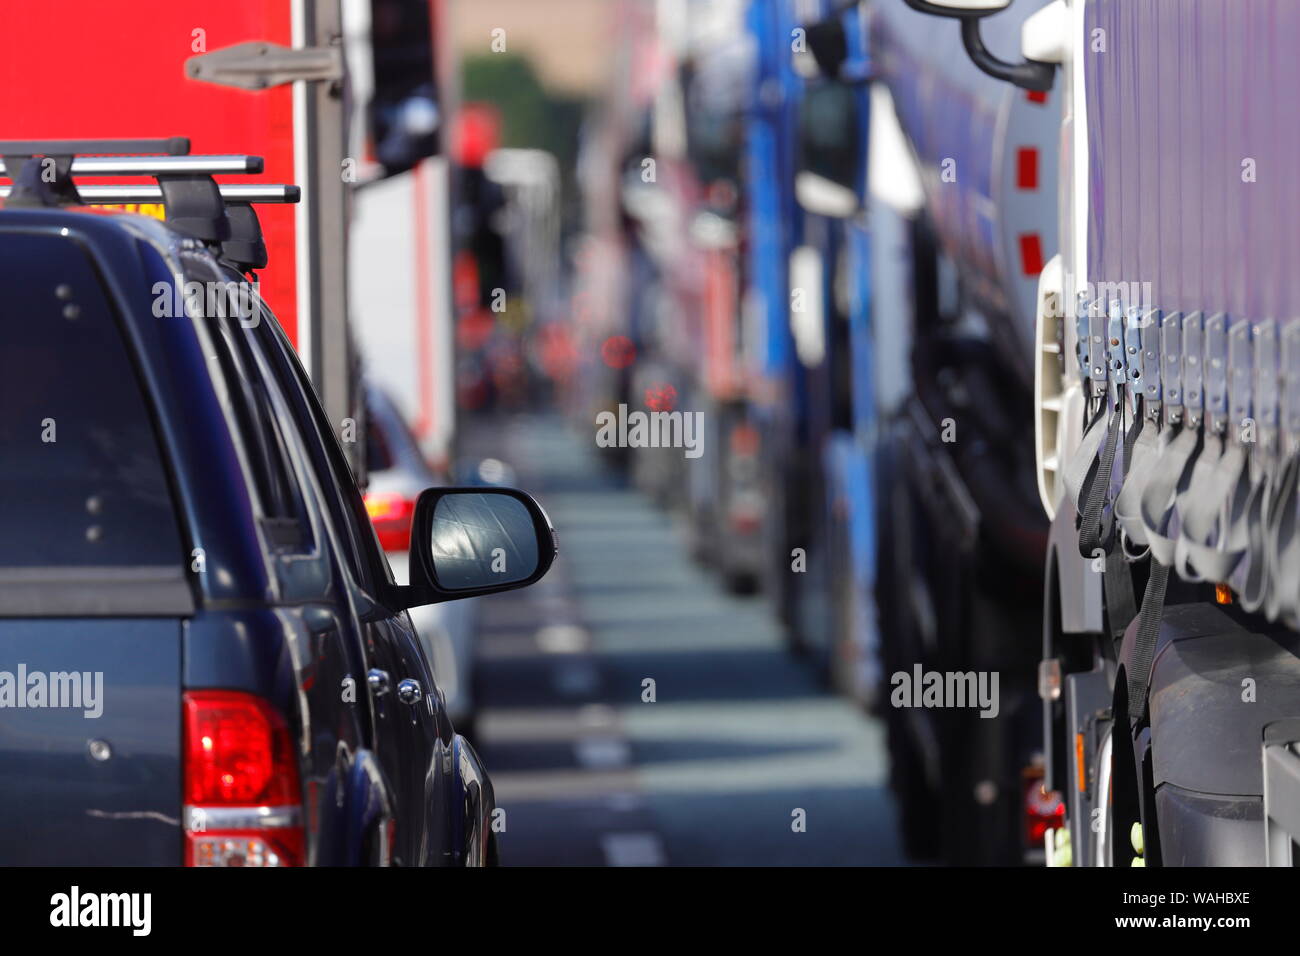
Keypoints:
pixel 531 115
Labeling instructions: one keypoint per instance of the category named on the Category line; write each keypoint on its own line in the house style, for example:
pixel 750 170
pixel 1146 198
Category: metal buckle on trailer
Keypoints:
pixel 1149 344
pixel 1290 376
pixel 1266 382
pixel 1097 348
pixel 1115 350
pixel 1081 337
pixel 1239 376
pixel 1215 368
pixel 1193 372
pixel 1171 371
pixel 1133 319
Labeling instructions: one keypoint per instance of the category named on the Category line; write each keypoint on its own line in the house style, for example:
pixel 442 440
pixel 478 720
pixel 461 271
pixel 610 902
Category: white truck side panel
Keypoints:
pixel 400 281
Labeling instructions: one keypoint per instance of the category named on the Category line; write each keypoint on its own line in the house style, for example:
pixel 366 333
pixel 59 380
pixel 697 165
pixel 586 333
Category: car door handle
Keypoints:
pixel 378 681
pixel 409 692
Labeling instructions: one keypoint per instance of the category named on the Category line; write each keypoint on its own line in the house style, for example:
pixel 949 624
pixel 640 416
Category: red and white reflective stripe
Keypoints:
pixel 1031 253
pixel 1027 167
pixel 303 211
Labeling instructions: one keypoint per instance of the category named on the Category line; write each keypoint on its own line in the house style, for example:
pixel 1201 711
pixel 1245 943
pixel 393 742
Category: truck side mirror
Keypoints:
pixel 405 111
pixel 1029 75
pixel 959 8
pixel 828 45
pixel 830 155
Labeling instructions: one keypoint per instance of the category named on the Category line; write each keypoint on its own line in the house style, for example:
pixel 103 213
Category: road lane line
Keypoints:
pixel 602 753
pixel 633 849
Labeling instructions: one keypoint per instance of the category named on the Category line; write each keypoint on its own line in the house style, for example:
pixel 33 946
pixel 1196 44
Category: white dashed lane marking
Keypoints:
pixel 602 753
pixel 563 639
pixel 633 849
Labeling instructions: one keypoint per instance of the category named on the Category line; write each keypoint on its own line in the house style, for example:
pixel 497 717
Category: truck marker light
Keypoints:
pixel 618 352
pixel 1027 169
pixel 744 440
pixel 1044 811
pixel 661 397
pixel 1031 253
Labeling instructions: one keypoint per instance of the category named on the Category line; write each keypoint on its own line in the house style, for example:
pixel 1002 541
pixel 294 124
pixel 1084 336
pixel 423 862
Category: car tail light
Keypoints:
pixel 243 803
pixel 744 440
pixel 745 513
pixel 1044 810
pixel 391 515
pixel 241 848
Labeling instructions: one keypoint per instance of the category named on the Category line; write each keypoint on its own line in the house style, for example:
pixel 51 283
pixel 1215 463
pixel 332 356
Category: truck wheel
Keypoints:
pixel 779 539
pixel 918 804
pixel 918 807
pixel 983 759
pixel 944 607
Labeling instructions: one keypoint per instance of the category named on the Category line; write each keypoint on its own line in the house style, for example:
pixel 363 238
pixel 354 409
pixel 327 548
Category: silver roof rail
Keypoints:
pixel 158 165
pixel 230 192
pixel 170 146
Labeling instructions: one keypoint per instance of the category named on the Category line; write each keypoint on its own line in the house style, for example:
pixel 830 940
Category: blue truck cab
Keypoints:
pixel 809 269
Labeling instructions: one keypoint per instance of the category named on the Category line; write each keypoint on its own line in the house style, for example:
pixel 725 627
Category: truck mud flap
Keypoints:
pixel 1209 829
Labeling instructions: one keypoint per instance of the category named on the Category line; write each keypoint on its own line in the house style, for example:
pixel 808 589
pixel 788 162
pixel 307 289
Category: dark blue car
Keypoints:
pixel 204 658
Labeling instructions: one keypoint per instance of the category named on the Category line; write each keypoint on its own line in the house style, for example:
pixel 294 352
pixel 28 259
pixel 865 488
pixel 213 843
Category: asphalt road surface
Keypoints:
pixel 740 736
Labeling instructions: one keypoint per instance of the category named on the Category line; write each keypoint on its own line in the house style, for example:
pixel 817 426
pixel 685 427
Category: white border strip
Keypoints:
pixel 304 211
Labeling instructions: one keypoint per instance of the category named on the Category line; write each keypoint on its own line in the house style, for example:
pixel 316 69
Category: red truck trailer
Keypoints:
pixel 315 88
pixel 142 90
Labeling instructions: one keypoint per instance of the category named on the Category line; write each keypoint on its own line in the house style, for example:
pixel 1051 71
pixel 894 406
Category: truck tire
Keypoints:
pixel 917 798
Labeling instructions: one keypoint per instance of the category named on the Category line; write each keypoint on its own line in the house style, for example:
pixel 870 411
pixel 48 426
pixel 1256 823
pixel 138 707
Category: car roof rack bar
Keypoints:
pixel 157 165
pixel 169 146
pixel 230 192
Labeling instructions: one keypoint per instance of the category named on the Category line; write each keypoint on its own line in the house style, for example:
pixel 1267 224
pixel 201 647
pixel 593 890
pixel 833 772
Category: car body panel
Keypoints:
pixel 298 621
pixel 119 801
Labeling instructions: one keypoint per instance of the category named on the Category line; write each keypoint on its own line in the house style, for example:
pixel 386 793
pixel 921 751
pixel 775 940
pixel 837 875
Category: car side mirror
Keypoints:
pixel 1034 75
pixel 471 541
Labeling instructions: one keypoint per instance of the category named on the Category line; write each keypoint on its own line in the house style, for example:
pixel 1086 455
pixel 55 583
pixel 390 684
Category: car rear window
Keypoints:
pixel 82 481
